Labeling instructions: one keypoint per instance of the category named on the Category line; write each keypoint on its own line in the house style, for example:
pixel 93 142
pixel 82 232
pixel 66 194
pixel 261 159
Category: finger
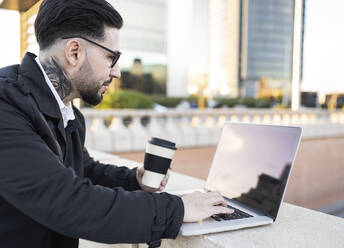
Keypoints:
pixel 164 181
pixel 216 199
pixel 141 170
pixel 221 210
pixel 150 189
pixel 219 202
pixel 162 187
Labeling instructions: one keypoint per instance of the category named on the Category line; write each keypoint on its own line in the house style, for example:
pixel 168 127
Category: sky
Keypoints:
pixel 323 46
pixel 10 37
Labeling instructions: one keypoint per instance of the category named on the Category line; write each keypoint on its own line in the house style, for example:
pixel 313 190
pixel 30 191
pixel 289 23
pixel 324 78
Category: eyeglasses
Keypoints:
pixel 115 56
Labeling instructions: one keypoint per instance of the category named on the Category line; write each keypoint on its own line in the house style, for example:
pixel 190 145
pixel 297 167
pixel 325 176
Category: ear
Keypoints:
pixel 73 49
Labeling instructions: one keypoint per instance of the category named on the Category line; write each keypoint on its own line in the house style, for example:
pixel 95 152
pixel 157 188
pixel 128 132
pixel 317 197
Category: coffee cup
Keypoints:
pixel 158 157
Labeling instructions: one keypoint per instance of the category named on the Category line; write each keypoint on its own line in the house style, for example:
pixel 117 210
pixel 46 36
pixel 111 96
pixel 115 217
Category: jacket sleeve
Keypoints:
pixel 33 180
pixel 109 175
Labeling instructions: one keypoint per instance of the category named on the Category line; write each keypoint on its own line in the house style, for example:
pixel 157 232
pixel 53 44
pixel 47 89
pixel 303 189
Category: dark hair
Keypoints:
pixel 58 18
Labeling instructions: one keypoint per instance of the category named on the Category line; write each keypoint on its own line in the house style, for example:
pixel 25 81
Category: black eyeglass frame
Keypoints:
pixel 115 53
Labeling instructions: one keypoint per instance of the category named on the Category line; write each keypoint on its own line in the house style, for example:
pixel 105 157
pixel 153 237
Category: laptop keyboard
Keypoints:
pixel 238 214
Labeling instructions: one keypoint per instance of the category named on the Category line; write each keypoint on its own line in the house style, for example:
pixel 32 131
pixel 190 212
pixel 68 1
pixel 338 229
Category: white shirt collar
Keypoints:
pixel 66 110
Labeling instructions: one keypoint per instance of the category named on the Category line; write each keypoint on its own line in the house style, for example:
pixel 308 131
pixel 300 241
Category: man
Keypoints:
pixel 51 191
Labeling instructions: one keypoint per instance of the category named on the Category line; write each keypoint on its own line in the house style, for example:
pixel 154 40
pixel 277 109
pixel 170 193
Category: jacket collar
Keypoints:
pixel 31 80
pixel 34 82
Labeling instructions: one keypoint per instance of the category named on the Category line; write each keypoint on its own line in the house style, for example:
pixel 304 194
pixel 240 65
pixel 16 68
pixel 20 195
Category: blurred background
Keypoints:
pixel 190 65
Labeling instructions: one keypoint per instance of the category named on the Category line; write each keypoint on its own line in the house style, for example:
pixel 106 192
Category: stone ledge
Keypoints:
pixel 295 226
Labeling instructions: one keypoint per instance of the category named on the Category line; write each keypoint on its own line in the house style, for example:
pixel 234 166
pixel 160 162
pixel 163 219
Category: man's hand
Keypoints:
pixel 198 206
pixel 139 173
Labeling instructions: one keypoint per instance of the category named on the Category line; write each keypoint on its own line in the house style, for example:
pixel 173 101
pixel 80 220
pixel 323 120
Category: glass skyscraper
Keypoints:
pixel 266 42
pixel 258 47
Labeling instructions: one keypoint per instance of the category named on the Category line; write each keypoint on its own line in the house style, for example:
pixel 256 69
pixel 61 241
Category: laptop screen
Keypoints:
pixel 252 164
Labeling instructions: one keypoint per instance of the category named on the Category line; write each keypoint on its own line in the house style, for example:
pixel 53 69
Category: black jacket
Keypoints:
pixel 51 191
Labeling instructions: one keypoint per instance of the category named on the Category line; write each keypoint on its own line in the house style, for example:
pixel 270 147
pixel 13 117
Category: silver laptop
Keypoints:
pixel 250 169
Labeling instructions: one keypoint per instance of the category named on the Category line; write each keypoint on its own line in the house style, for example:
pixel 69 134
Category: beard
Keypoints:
pixel 91 96
pixel 88 88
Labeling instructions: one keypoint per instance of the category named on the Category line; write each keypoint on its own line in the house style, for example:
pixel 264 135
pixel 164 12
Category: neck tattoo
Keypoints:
pixel 57 77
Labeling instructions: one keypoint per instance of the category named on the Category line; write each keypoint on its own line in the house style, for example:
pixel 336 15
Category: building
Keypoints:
pixel 249 49
pixel 266 45
pixel 210 47
pixel 144 33
pixel 143 37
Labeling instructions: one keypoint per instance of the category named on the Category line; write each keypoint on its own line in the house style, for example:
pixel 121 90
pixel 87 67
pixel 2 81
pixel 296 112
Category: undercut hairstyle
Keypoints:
pixel 58 18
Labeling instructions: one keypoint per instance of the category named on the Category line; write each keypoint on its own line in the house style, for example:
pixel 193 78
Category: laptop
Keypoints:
pixel 250 169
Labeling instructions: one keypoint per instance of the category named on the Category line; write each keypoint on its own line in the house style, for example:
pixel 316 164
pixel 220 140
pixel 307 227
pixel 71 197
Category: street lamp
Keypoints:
pixel 295 100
